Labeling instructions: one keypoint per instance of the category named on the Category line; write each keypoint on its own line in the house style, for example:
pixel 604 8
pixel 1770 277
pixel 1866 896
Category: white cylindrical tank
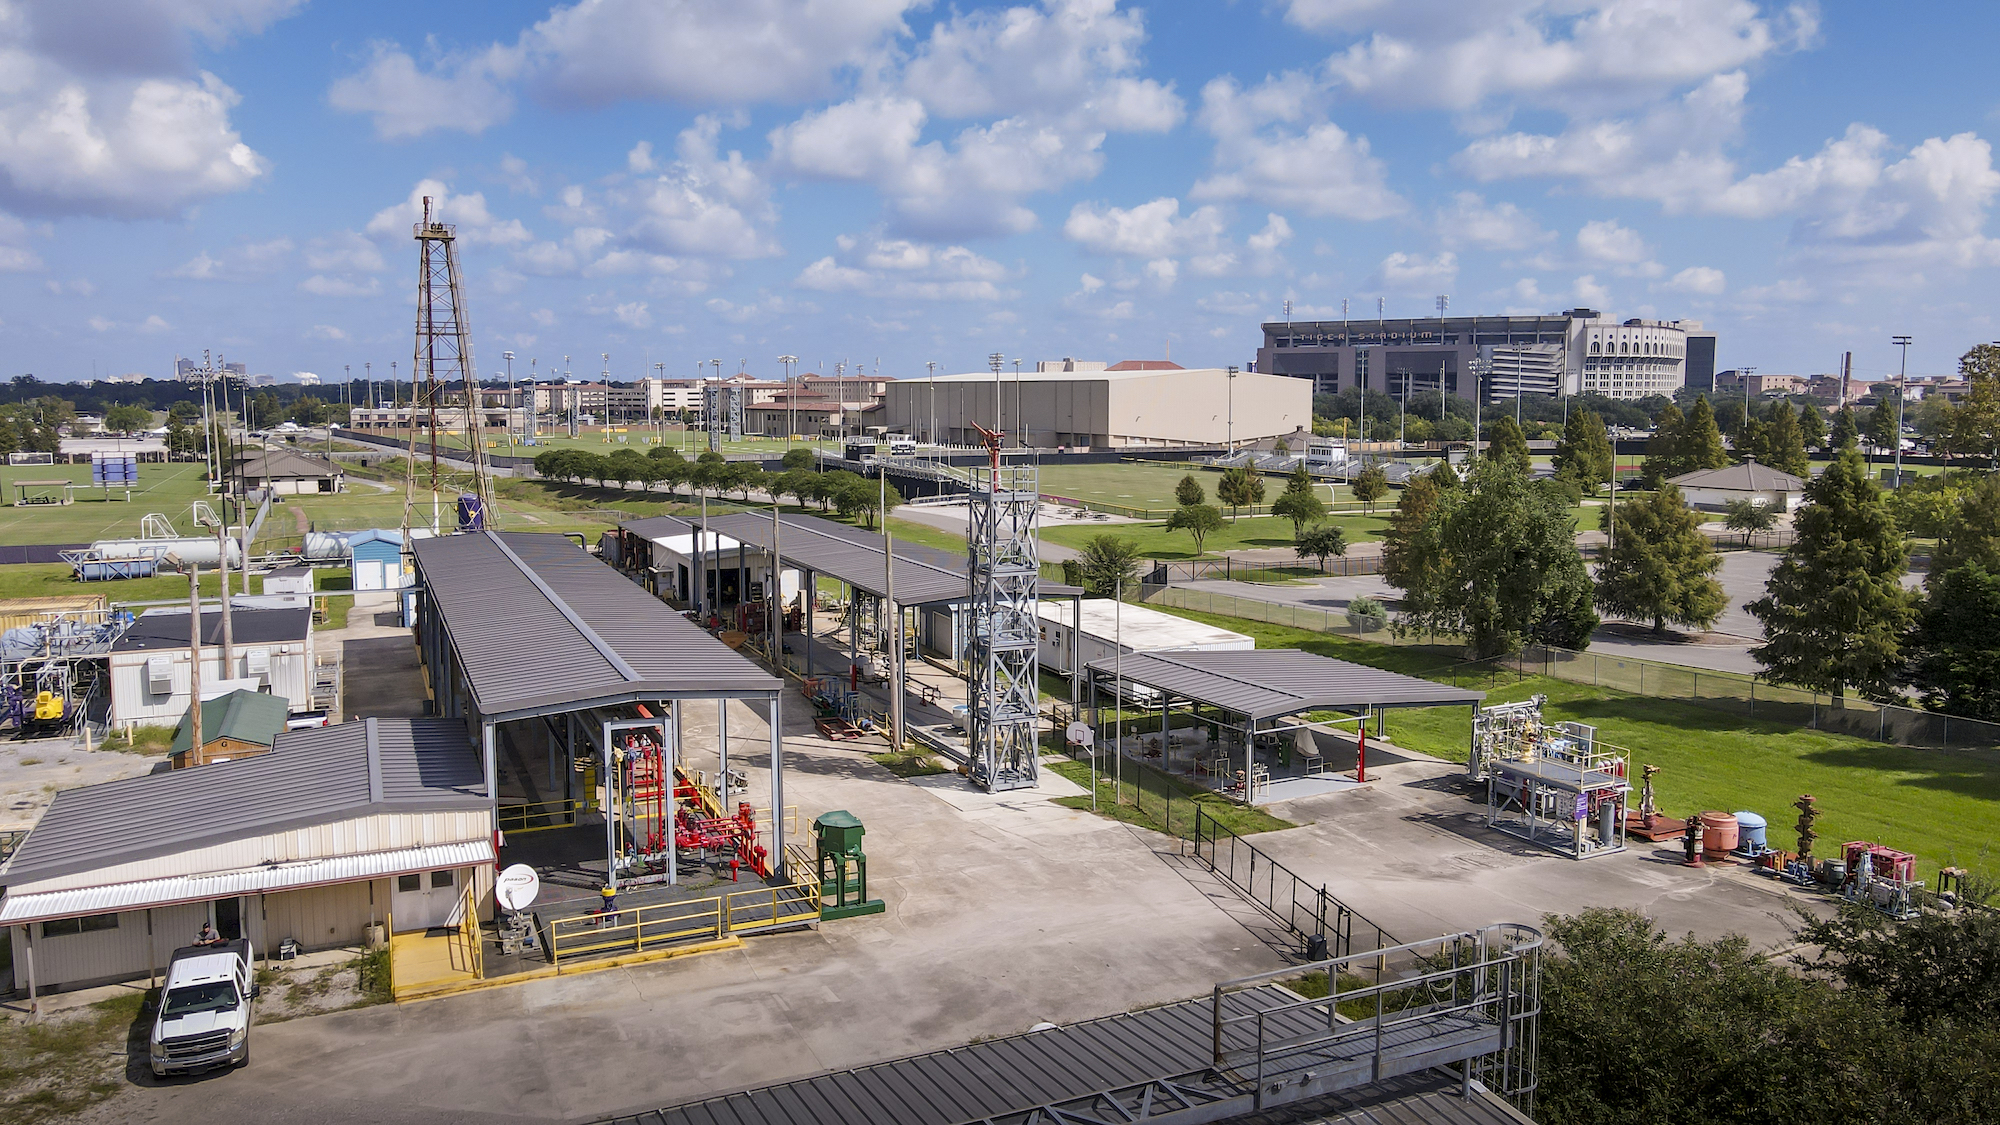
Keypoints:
pixel 325 545
pixel 200 552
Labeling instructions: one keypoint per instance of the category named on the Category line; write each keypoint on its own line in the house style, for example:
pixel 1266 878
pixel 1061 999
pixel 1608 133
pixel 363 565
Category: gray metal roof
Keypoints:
pixel 1269 682
pixel 1746 477
pixel 540 625
pixel 168 628
pixel 310 777
pixel 854 556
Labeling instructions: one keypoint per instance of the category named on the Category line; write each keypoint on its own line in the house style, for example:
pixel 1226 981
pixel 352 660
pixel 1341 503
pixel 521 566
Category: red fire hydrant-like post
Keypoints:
pixel 1361 753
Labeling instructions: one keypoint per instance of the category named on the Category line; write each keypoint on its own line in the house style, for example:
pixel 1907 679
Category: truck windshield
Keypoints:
pixel 215 996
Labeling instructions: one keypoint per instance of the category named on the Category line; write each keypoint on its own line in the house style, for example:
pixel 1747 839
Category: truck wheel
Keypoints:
pixel 245 1060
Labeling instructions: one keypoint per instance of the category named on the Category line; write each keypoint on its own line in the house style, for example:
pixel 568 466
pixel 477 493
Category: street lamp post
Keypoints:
pixel 1020 413
pixel 931 436
pixel 1232 410
pixel 791 400
pixel 512 403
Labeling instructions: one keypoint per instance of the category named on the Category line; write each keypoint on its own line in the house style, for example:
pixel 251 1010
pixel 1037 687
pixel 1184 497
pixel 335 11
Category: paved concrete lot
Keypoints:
pixel 1411 852
pixel 1003 912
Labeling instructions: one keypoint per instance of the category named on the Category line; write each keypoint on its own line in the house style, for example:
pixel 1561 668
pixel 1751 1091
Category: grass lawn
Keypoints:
pixel 1942 805
pixel 1247 533
pixel 909 763
pixel 168 489
pixel 58 1067
pixel 637 436
pixel 1149 485
pixel 1165 804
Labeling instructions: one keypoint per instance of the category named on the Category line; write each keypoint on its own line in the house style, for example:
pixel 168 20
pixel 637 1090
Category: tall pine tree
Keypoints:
pixel 1784 445
pixel 1506 444
pixel 1812 426
pixel 1662 569
pixel 1955 647
pixel 1663 450
pixel 1846 431
pixel 1583 456
pixel 1835 610
pixel 1701 440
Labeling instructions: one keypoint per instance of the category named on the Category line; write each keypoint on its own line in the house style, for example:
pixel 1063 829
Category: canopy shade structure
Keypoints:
pixel 1267 683
pixel 539 626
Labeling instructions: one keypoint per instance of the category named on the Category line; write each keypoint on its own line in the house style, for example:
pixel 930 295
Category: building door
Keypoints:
pixel 229 918
pixel 426 899
pixel 369 575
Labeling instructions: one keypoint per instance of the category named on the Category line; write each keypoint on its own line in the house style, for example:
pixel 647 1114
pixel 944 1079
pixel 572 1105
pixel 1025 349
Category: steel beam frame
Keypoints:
pixel 1005 649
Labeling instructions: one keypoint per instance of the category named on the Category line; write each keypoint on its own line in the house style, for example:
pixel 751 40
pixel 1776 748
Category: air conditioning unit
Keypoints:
pixel 160 675
pixel 257 662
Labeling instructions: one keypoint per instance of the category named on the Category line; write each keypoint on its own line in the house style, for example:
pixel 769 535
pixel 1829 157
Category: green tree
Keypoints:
pixel 1904 966
pixel 797 457
pixel 1188 492
pixel 1880 429
pixel 1835 610
pixel 1321 543
pixel 1954 651
pixel 1507 445
pixel 308 410
pixel 1747 517
pixel 1237 488
pixel 266 410
pixel 1969 530
pixel 1498 564
pixel 128 418
pixel 1412 551
pixel 1751 441
pixel 1701 439
pixel 1846 432
pixel 1198 520
pixel 1662 568
pixel 1664 458
pixel 1812 425
pixel 1299 503
pixel 1583 455
pixel 1110 563
pixel 880 504
pixel 1976 420
pixel 1784 445
pixel 1371 486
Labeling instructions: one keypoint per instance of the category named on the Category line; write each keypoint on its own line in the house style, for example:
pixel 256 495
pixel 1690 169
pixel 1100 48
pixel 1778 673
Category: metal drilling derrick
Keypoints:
pixel 1006 571
pixel 443 358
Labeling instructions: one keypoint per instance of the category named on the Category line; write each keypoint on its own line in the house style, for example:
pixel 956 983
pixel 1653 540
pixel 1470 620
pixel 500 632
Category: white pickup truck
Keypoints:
pixel 204 1018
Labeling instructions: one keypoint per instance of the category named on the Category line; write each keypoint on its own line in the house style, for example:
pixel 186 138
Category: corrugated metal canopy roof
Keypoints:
pixel 924 575
pixel 143 893
pixel 311 776
pixel 540 625
pixel 1280 681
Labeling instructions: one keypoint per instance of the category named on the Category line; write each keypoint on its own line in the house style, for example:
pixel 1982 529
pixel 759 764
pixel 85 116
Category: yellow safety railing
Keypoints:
pixel 636 928
pixel 538 816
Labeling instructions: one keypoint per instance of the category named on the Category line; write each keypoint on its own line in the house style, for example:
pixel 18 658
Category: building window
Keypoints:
pixel 89 923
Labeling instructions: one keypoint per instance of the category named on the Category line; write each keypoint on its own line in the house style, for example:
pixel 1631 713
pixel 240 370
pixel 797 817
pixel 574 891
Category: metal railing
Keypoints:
pixel 539 816
pixel 1164 572
pixel 1382 1003
pixel 1305 908
pixel 638 928
pixel 10 839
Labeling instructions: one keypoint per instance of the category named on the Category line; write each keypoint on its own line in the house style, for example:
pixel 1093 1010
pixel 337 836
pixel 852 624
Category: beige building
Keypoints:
pixel 1102 409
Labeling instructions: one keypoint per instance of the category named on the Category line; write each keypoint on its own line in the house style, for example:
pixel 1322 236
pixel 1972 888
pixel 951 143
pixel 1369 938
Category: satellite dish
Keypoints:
pixel 517 887
pixel 1078 733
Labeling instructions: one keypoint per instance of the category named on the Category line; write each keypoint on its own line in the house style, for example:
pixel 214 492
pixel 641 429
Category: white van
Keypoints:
pixel 204 1017
pixel 901 445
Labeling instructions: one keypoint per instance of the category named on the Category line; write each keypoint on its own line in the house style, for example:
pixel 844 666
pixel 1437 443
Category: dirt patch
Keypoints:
pixel 1627 631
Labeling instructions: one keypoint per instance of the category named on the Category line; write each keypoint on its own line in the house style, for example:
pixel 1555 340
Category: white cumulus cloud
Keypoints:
pixel 1705 280
pixel 1273 145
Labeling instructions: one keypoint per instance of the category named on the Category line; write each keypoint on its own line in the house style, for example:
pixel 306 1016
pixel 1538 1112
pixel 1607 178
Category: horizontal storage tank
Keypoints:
pixel 325 545
pixel 1718 835
pixel 200 552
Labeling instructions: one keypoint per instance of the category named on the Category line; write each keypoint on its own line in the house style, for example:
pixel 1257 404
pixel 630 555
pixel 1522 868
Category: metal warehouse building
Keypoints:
pixel 338 828
pixel 1102 409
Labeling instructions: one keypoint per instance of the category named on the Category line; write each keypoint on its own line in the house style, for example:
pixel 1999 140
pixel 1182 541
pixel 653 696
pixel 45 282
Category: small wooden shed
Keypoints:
pixel 242 724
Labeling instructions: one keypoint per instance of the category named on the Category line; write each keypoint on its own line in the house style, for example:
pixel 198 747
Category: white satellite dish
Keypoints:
pixel 517 887
pixel 1079 734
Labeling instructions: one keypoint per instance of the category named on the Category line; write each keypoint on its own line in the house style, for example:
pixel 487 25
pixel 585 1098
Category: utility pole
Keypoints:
pixel 791 400
pixel 932 435
pixel 996 361
pixel 1232 410
pixel 1902 381
pixel 1020 414
pixel 894 612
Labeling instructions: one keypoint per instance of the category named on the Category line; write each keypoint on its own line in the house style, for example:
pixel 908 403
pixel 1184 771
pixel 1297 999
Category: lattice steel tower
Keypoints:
pixel 1006 570
pixel 444 357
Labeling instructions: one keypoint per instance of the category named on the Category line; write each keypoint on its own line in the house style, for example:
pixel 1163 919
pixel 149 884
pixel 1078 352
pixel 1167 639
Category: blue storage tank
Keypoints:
pixel 1751 828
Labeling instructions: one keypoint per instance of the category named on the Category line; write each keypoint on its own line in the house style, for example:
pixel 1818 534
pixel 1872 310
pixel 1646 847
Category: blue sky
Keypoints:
pixel 875 181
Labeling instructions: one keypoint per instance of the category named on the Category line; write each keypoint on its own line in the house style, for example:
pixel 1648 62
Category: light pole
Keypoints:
pixel 996 361
pixel 931 436
pixel 709 401
pixel 534 400
pixel 1020 414
pixel 1403 416
pixel 512 403
pixel 659 419
pixel 1479 367
pixel 791 400
pixel 1232 410
pixel 1902 380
